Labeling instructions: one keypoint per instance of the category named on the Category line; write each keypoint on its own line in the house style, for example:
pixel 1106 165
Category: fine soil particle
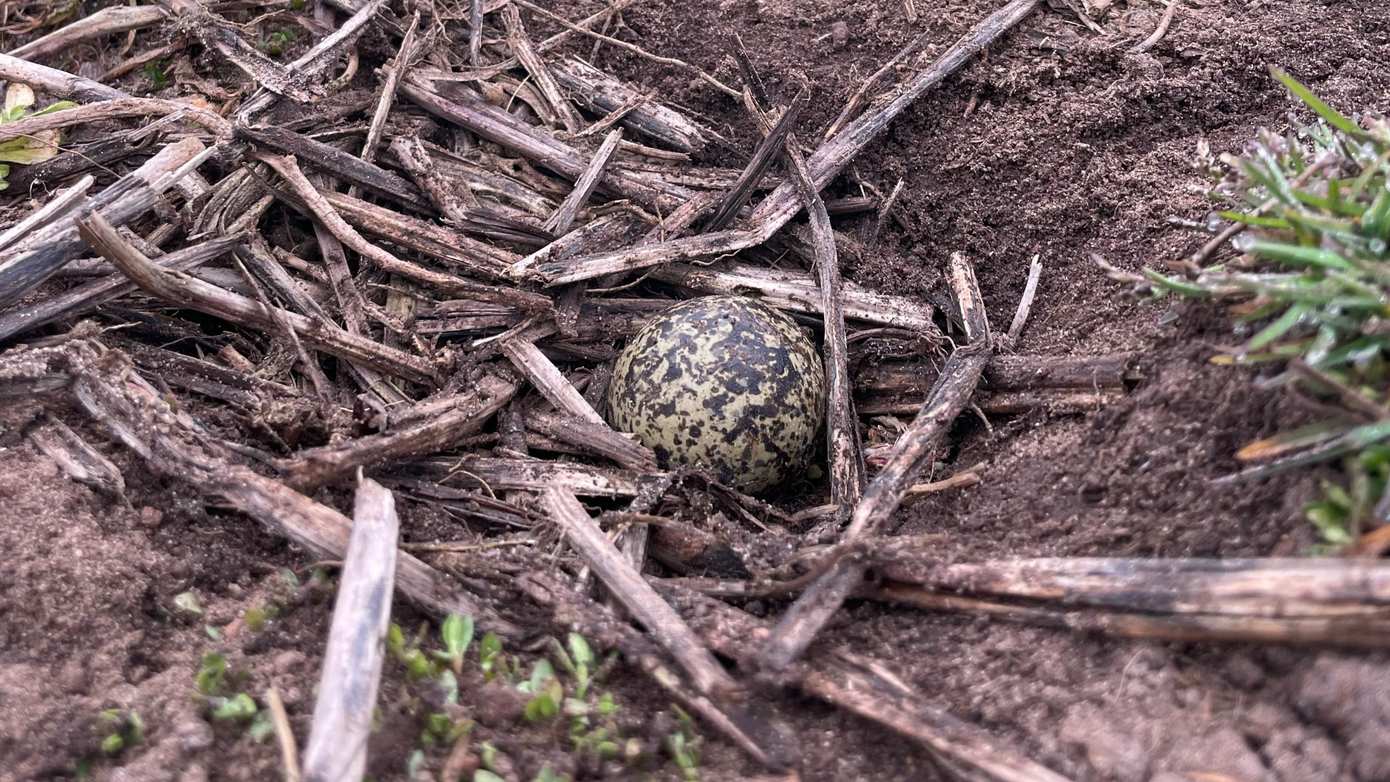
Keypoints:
pixel 1058 143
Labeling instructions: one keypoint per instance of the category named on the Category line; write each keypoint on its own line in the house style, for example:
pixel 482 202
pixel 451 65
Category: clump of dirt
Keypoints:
pixel 1059 143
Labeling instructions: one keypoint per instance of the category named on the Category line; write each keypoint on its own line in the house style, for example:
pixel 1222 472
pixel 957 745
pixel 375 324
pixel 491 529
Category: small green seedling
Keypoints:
pixel 417 663
pixel 238 708
pixel 441 729
pixel 211 678
pixel 157 73
pixel 278 41
pixel 212 682
pixel 29 148
pixel 684 746
pixel 490 656
pixel 546 691
pixel 262 727
pixel 120 730
pixel 457 634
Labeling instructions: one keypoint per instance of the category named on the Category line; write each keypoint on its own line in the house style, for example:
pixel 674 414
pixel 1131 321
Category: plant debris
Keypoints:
pixel 398 246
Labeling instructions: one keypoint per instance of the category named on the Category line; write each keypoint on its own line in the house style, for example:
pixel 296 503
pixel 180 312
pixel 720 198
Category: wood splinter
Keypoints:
pixel 616 573
pixel 347 689
pixel 913 450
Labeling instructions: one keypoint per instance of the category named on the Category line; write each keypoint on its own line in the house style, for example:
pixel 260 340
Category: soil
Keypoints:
pixel 1060 143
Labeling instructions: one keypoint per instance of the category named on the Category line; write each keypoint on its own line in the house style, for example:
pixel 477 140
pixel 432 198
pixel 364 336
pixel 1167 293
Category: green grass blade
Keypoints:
pixel 1333 117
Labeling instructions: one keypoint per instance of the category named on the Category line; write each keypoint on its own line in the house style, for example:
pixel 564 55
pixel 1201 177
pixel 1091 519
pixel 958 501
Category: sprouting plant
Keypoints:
pixel 237 708
pixel 441 729
pixel 1312 294
pixel 417 663
pixel 211 678
pixel 157 73
pixel 277 41
pixel 490 655
pixel 120 730
pixel 457 634
pixel 30 148
pixel 684 746
pixel 213 683
pixel 578 661
pixel 546 691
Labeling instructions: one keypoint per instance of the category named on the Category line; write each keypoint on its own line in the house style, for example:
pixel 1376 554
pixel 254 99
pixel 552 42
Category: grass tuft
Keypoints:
pixel 1310 289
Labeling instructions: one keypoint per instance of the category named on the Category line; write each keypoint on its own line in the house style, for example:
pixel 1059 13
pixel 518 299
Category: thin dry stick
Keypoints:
pixel 958 481
pixel 325 213
pixel 465 415
pixel 860 96
pixel 55 82
pixel 531 60
pixel 107 21
pixel 492 123
pixel 194 293
pixel 445 193
pixel 284 734
pixel 312 62
pixel 560 222
pixel 1288 588
pixel 600 625
pixel 881 216
pixel 827 161
pixel 547 379
pixel 90 295
pixel 640 600
pixel 356 641
pixel 308 362
pixel 475 33
pixel 801 622
pixel 78 458
pixel 222 37
pixel 868 688
pixel 845 450
pixel 173 445
pixel 111 109
pixel 1334 631
pixel 583 25
pixel 128 198
pixel 600 440
pixel 1025 303
pixel 637 50
pixel 767 151
pixel 1159 31
pixel 331 160
pixel 388 92
pixel 636 110
pixel 350 301
pixel 56 206
pixel 139 60
pixel 798 292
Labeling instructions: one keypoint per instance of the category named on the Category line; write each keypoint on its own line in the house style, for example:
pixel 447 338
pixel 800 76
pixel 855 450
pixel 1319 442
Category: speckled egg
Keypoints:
pixel 723 383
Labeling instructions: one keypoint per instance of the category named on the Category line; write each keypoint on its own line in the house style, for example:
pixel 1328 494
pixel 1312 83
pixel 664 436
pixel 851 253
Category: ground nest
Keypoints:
pixel 310 313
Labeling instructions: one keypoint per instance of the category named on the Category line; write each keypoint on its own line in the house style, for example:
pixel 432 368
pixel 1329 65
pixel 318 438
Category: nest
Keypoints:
pixel 422 286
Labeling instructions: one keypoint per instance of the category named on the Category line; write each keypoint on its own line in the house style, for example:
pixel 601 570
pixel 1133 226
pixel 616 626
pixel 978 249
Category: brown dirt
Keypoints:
pixel 1058 144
